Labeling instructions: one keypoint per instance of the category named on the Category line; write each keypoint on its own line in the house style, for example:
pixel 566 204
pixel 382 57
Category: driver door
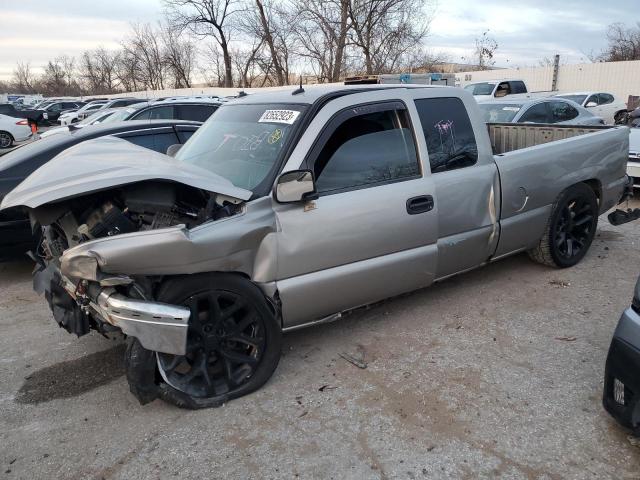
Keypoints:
pixel 372 231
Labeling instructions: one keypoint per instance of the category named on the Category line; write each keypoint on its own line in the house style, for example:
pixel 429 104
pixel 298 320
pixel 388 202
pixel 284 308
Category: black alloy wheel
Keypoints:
pixel 234 341
pixel 225 344
pixel 574 229
pixel 570 229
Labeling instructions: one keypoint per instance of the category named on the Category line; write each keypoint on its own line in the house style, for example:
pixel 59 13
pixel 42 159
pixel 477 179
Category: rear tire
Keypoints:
pixel 6 139
pixel 234 343
pixel 570 228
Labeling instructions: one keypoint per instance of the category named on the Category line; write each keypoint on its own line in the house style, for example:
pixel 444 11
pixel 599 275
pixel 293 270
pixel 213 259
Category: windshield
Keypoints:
pixel 95 118
pixel 119 115
pixel 499 112
pixel 242 143
pixel 575 98
pixel 484 88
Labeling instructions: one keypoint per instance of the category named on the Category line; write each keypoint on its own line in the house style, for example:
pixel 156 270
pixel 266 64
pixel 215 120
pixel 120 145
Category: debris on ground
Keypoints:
pixel 354 361
pixel 357 359
pixel 567 339
pixel 633 440
pixel 326 387
pixel 560 283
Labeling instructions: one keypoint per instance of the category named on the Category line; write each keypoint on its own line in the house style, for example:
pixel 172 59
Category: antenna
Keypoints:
pixel 299 90
pixel 242 93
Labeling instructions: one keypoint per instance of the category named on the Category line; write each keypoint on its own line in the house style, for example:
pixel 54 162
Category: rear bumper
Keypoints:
pixel 621 395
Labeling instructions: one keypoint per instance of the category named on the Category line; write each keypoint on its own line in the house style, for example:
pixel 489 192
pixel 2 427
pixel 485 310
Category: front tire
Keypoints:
pixel 6 140
pixel 621 118
pixel 570 228
pixel 234 342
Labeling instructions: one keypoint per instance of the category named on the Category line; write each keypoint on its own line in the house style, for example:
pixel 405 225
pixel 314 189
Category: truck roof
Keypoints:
pixel 314 92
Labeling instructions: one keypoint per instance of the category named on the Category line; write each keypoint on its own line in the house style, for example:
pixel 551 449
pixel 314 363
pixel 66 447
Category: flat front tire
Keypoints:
pixel 234 343
pixel 570 228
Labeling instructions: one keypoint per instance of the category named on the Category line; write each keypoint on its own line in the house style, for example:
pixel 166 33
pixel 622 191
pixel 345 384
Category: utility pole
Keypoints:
pixel 556 68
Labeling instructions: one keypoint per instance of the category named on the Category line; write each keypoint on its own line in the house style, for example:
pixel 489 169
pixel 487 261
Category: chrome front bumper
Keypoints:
pixel 158 326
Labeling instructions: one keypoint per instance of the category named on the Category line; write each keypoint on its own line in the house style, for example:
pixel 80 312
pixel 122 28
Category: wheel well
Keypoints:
pixel 596 186
pixel 8 133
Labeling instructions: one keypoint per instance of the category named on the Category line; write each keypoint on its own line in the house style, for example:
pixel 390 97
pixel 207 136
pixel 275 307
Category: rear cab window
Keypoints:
pixel 451 142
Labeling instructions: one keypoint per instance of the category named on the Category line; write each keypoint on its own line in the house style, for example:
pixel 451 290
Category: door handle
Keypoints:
pixel 421 204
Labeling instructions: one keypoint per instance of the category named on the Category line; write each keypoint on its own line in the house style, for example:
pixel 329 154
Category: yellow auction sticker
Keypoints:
pixel 275 136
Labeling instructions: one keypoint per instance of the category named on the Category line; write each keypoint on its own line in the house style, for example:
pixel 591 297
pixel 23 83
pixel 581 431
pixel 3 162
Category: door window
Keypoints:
pixel 605 99
pixel 518 87
pixel 365 150
pixel 198 113
pixel 448 133
pixel 562 112
pixel 157 113
pixel 591 99
pixel 537 113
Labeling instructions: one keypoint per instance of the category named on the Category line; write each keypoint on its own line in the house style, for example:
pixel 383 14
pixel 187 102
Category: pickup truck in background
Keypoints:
pixel 287 209
pixel 489 90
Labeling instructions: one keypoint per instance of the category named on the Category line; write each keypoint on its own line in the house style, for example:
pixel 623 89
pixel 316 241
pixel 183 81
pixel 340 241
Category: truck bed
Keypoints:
pixel 507 137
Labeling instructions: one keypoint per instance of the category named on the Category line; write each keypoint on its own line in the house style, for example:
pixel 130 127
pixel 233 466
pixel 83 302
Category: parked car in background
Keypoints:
pixel 33 116
pixel 115 103
pixel 15 230
pixel 483 91
pixel 545 110
pixel 183 109
pixel 67 118
pixel 604 105
pixel 621 394
pixel 269 218
pixel 98 117
pixel 53 111
pixel 12 130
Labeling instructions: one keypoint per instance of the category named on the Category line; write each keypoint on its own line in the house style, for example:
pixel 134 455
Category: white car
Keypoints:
pixel 633 165
pixel 604 105
pixel 73 117
pixel 12 130
pixel 492 89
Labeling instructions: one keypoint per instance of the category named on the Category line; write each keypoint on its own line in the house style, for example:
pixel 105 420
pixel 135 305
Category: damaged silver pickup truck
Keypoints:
pixel 287 209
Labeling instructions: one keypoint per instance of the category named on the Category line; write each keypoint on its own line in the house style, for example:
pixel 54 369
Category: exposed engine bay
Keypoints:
pixel 130 208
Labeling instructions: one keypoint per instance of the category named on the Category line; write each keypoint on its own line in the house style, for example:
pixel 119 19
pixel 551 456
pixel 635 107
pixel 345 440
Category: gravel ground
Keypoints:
pixel 493 374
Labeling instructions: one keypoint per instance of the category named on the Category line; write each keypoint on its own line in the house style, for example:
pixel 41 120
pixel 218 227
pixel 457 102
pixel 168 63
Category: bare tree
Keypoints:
pixel 59 77
pixel 126 71
pixel 386 30
pixel 486 47
pixel 246 63
pixel 321 28
pixel 212 68
pixel 624 43
pixel 98 69
pixel 179 57
pixel 23 79
pixel 207 18
pixel 144 48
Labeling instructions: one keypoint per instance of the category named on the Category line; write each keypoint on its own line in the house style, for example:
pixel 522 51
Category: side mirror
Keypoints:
pixel 591 104
pixel 173 149
pixel 295 186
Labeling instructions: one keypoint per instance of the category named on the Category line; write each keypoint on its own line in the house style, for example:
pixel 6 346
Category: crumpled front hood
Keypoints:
pixel 110 162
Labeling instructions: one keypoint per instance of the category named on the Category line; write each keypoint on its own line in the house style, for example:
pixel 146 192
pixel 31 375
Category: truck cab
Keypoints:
pixel 489 90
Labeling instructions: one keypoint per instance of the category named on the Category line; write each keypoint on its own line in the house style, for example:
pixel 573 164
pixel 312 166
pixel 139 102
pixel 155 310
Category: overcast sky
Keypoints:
pixel 526 31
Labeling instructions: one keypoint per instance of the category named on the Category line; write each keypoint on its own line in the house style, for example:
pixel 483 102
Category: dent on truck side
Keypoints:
pixel 242 243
